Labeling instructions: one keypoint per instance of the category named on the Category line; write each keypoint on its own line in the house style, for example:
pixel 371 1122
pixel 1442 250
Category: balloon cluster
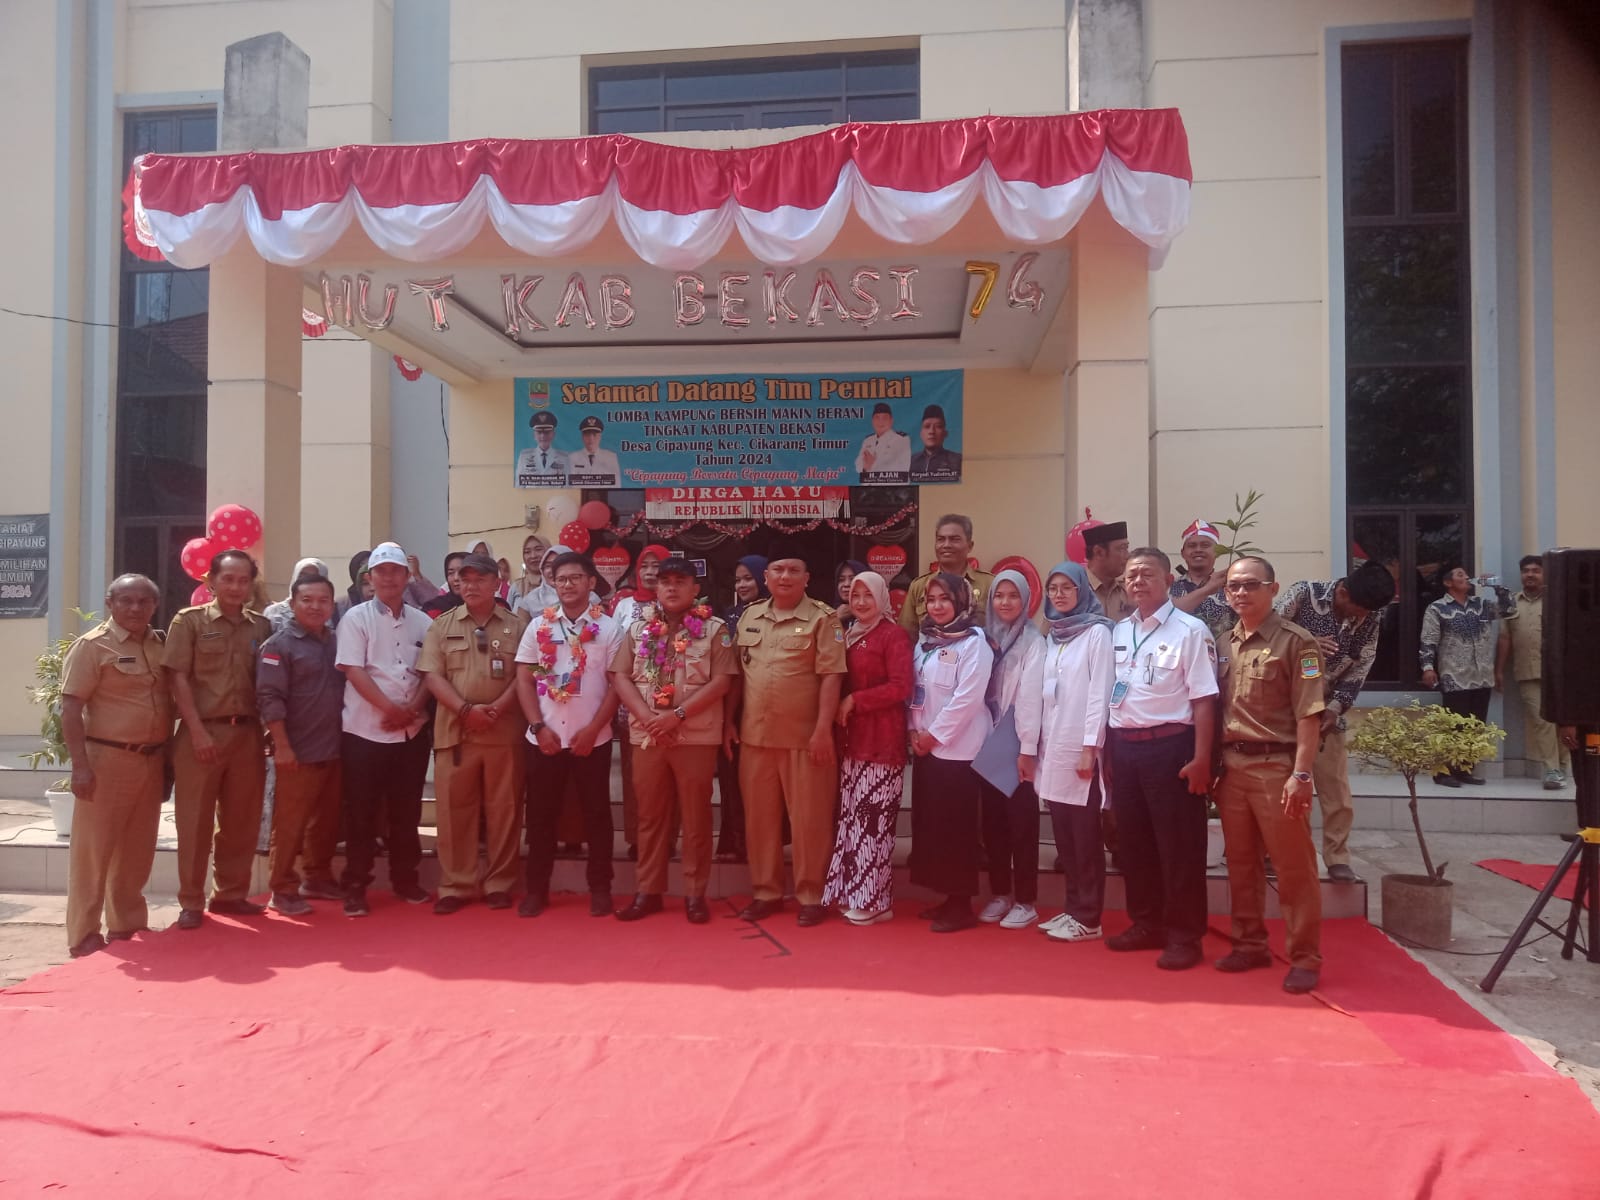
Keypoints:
pixel 230 527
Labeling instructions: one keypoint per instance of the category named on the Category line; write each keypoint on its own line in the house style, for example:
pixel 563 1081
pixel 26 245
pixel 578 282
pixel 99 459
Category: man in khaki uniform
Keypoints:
pixel 952 547
pixel 675 722
pixel 1522 641
pixel 792 650
pixel 116 717
pixel 1105 555
pixel 469 663
pixel 218 759
pixel 1272 706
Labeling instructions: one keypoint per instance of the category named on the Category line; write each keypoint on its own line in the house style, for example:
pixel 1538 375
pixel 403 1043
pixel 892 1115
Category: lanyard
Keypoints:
pixel 1140 641
pixel 926 655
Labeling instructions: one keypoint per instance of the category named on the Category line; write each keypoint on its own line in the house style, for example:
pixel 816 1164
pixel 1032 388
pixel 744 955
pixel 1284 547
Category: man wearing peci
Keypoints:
pixel 1105 550
pixel 592 466
pixel 885 455
pixel 542 465
pixel 933 461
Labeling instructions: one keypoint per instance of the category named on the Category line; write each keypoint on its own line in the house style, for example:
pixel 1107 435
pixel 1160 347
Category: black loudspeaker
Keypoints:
pixel 1571 650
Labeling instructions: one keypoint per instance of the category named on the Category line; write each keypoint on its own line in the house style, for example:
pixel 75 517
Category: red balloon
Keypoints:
pixel 574 534
pixel 1026 569
pixel 596 514
pixel 201 595
pixel 195 557
pixel 234 527
pixel 1076 550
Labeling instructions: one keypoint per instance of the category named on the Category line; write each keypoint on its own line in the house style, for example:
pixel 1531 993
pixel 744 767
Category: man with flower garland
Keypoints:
pixel 567 697
pixel 672 669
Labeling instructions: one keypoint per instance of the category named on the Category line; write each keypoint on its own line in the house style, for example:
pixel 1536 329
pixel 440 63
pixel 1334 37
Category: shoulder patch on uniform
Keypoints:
pixel 727 638
pixel 838 635
pixel 271 659
pixel 1310 667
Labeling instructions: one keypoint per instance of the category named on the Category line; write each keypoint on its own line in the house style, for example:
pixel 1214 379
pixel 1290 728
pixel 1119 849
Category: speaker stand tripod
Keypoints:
pixel 1585 851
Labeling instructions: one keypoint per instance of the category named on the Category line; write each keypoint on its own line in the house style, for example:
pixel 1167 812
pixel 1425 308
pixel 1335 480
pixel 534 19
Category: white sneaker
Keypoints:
pixel 1020 916
pixel 1071 930
pixel 995 910
pixel 1054 922
pixel 860 916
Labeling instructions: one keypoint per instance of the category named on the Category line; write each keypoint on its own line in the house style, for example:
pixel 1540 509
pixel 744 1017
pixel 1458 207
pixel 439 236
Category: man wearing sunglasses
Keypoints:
pixel 469 663
pixel 1272 703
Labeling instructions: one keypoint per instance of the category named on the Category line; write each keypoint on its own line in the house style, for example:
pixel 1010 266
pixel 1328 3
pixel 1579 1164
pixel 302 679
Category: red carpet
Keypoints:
pixel 410 1055
pixel 1534 875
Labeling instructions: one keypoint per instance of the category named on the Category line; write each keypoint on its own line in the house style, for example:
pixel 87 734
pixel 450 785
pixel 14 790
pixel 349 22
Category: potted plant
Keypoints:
pixel 1417 740
pixel 53 752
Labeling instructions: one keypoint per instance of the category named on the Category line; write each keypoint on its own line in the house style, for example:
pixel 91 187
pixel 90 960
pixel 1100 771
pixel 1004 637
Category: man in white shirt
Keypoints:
pixel 565 691
pixel 1163 723
pixel 384 751
pixel 592 466
pixel 885 455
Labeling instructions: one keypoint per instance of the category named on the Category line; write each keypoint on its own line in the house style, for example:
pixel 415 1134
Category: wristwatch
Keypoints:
pixel 537 728
pixel 1301 776
pixel 680 713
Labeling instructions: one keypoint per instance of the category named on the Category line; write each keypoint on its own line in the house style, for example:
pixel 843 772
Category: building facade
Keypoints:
pixel 1376 316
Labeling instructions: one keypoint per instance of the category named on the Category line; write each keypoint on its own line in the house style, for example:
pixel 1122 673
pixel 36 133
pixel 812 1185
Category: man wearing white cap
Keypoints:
pixel 1198 588
pixel 384 751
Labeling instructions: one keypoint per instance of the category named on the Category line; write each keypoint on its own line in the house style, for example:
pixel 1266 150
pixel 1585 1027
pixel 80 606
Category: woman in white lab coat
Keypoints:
pixel 949 722
pixel 1077 690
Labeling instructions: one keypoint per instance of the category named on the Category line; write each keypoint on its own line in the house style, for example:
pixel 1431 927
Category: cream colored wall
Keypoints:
pixel 1575 182
pixel 1239 323
pixel 512 76
pixel 28 86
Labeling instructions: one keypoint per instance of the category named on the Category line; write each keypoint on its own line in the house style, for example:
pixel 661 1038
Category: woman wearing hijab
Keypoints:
pixel 279 612
pixel 749 585
pixel 360 584
pixel 847 571
pixel 542 595
pixel 534 549
pixel 1011 823
pixel 872 717
pixel 949 723
pixel 1076 690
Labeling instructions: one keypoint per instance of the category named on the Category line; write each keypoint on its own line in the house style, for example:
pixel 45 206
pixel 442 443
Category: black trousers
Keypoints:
pixel 1161 836
pixel 383 792
pixel 547 777
pixel 1011 840
pixel 1083 857
pixel 944 826
pixel 730 802
pixel 1470 702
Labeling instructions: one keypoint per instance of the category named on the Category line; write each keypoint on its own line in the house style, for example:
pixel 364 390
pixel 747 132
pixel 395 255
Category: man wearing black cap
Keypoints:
pixel 792 651
pixel 672 668
pixel 1105 555
pixel 592 466
pixel 468 661
pixel 1344 617
pixel 933 462
pixel 885 452
pixel 542 465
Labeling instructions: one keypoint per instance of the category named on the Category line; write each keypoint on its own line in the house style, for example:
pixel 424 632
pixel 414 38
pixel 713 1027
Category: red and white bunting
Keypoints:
pixel 675 206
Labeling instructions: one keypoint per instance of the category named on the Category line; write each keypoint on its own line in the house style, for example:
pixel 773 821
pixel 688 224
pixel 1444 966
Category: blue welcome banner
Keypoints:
pixel 868 429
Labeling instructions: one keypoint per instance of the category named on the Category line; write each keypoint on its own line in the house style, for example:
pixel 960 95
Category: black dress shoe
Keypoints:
pixel 355 903
pixel 190 918
pixel 956 918
pixel 445 905
pixel 600 904
pixel 532 905
pixel 1236 961
pixel 1180 957
pixel 498 900
pixel 1447 781
pixel 90 943
pixel 1341 873
pixel 1300 980
pixel 696 910
pixel 760 910
pixel 1137 937
pixel 811 914
pixel 643 905
pixel 1474 780
pixel 933 912
pixel 237 908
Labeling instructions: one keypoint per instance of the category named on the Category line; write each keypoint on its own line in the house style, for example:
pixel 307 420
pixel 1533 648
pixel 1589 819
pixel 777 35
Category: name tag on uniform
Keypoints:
pixel 497 667
pixel 1119 692
pixel 573 684
pixel 919 694
pixel 127 658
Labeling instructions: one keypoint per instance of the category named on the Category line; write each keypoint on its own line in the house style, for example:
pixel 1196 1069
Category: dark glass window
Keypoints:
pixel 1407 293
pixel 765 93
pixel 161 386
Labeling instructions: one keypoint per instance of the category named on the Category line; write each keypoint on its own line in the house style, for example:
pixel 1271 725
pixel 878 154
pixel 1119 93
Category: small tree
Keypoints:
pixel 1244 517
pixel 46 690
pixel 1418 740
